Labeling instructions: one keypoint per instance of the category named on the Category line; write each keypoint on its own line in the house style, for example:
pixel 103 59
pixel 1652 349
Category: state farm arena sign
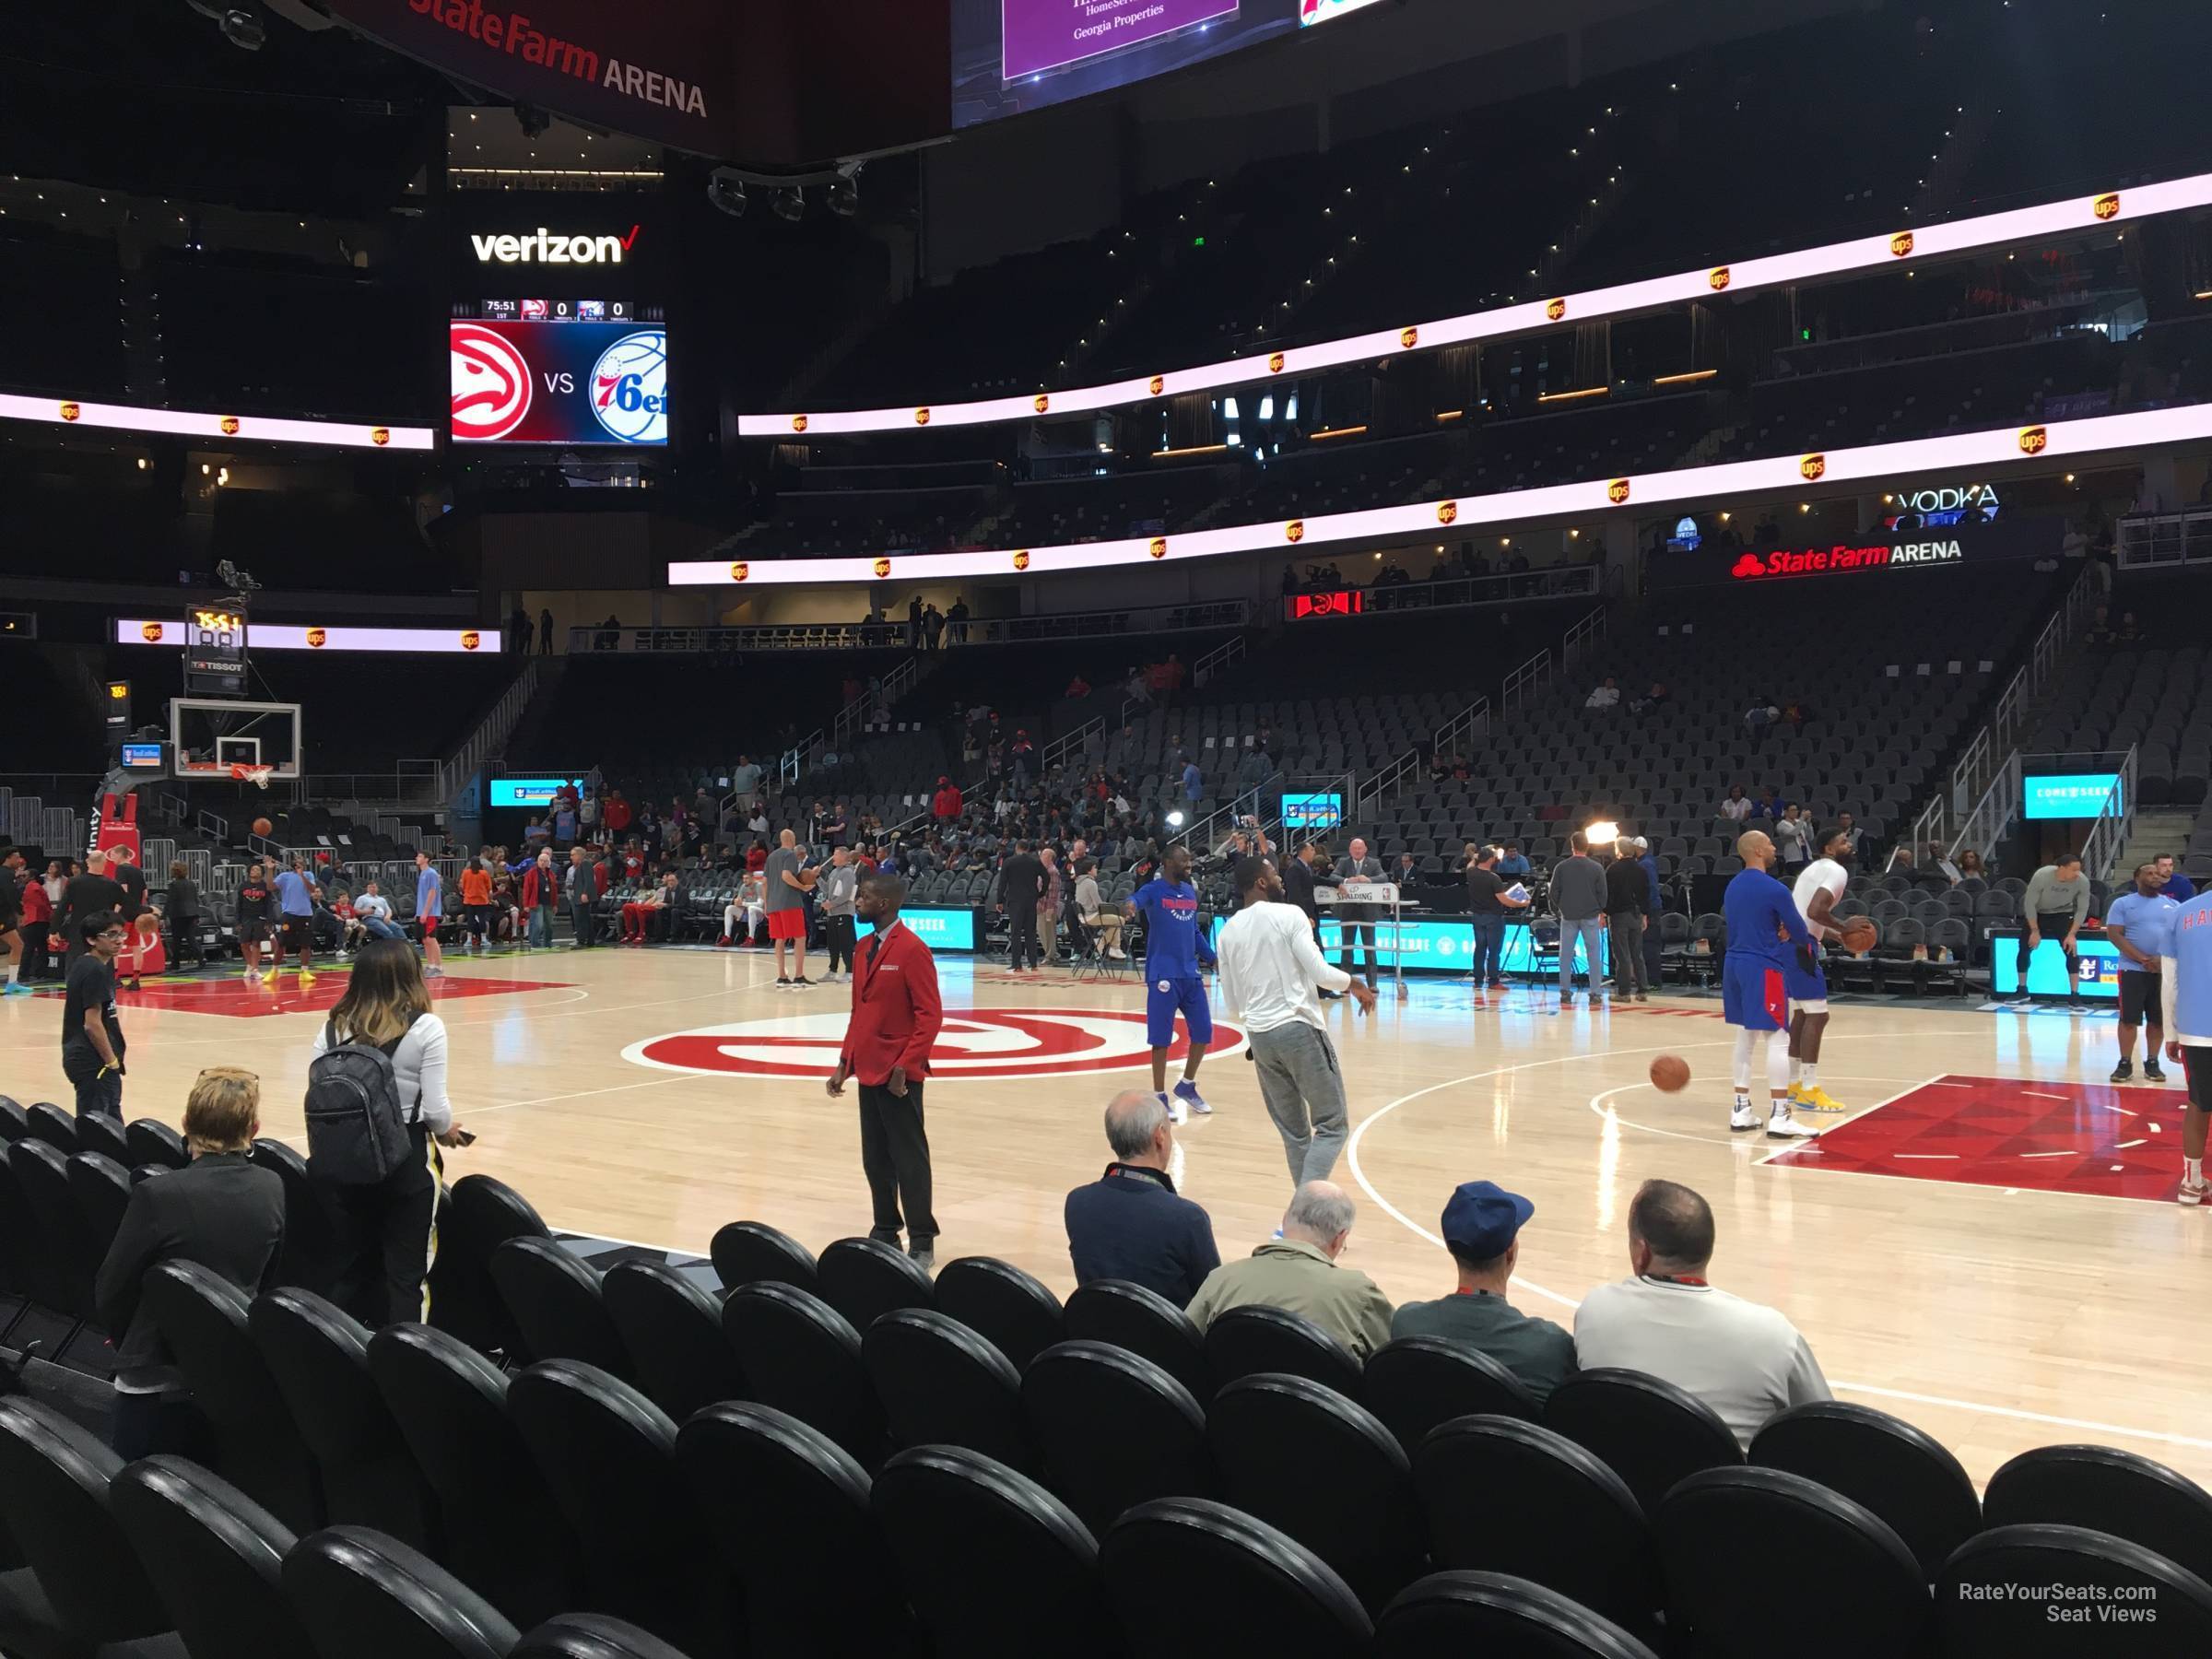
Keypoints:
pixel 976 1044
pixel 1872 558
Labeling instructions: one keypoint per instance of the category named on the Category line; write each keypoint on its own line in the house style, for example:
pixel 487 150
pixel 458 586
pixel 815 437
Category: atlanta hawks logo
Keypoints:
pixel 990 1043
pixel 1813 466
pixel 2107 205
pixel 1901 243
pixel 1410 337
pixel 1718 280
pixel 1555 309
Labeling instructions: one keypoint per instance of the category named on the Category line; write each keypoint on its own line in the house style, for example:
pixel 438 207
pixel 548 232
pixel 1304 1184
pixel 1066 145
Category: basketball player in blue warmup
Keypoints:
pixel 1767 936
pixel 1173 951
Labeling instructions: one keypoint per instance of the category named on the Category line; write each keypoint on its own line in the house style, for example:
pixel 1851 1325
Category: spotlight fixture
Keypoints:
pixel 791 203
pixel 242 28
pixel 726 191
pixel 844 196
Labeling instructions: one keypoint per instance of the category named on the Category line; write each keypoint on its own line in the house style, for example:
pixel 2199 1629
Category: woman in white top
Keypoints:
pixel 386 1230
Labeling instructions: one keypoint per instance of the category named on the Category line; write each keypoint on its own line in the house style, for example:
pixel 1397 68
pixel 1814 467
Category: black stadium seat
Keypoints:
pixel 673 1332
pixel 1883 1462
pixel 102 1133
pixel 1451 1614
pixel 1416 1383
pixel 555 1301
pixel 1650 1432
pixel 800 1356
pixel 1000 1302
pixel 591 1636
pixel 362 1595
pixel 2113 1491
pixel 864 1278
pixel 1253 1339
pixel 1144 1321
pixel 151 1141
pixel 480 1215
pixel 942 1384
pixel 1158 1450
pixel 1982 1612
pixel 214 1557
pixel 1192 1579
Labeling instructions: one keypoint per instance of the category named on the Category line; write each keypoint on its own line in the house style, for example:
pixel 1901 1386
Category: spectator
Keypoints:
pixel 1748 1362
pixel 2130 631
pixel 1759 716
pixel 1793 838
pixel 220 1211
pixel 1577 895
pixel 476 905
pixel 386 1227
pixel 1848 827
pixel 2172 883
pixel 1298 1272
pixel 1513 864
pixel 1651 701
pixel 932 625
pixel 615 815
pixel 1095 913
pixel 946 805
pixel 642 909
pixel 1194 783
pixel 1627 897
pixel 92 1044
pixel 373 913
pixel 182 904
pixel 2099 634
pixel 956 620
pixel 544 631
pixel 1129 1224
pixel 1076 686
pixel 1606 696
pixel 1969 863
pixel 837 893
pixel 1482 1230
pixel 745 916
pixel 1738 807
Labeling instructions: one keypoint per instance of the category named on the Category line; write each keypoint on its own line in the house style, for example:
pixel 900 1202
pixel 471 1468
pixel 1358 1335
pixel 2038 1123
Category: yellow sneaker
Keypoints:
pixel 1819 1100
pixel 269 978
pixel 1797 1095
pixel 306 978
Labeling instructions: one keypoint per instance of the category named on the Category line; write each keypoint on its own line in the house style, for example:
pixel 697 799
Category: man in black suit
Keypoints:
pixel 1300 873
pixel 1021 882
pixel 1357 922
pixel 220 1211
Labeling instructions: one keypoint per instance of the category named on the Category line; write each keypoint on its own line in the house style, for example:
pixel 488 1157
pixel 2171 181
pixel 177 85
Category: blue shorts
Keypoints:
pixel 1753 996
pixel 1164 999
pixel 1800 986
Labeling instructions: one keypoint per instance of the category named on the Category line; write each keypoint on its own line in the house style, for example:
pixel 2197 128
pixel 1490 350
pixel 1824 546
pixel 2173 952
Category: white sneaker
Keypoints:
pixel 1780 1126
pixel 1743 1117
pixel 1176 1113
pixel 2193 1191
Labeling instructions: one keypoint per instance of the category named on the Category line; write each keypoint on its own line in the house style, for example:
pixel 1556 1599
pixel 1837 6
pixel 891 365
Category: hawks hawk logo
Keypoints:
pixel 1044 403
pixel 1275 363
pixel 1813 466
pixel 739 571
pixel 2107 205
pixel 1295 530
pixel 2034 441
pixel 979 1043
pixel 151 632
pixel 1617 491
pixel 1718 278
pixel 380 436
pixel 230 425
pixel 882 566
pixel 1410 337
pixel 1447 513
pixel 1158 550
pixel 1901 243
pixel 1021 559
pixel 318 637
pixel 798 423
pixel 1159 385
pixel 471 640
pixel 1555 309
pixel 70 411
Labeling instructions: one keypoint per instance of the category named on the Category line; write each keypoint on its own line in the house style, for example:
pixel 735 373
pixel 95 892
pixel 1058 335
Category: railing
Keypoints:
pixel 1076 742
pixel 492 732
pixel 1984 826
pixel 1225 653
pixel 1582 638
pixel 2164 540
pixel 1373 792
pixel 1457 735
pixel 2107 837
pixel 792 762
pixel 888 688
pixel 1529 679
pixel 892 634
pixel 415 781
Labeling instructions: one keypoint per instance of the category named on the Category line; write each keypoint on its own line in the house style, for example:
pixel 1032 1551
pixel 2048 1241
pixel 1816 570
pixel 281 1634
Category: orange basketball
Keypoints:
pixel 1860 935
pixel 1670 1074
pixel 262 827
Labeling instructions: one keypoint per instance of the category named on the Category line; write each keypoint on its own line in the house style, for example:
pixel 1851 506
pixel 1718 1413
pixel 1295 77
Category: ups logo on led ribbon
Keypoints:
pixel 230 425
pixel 1717 279
pixel 150 632
pixel 1021 559
pixel 2034 440
pixel 739 571
pixel 1295 530
pixel 1158 550
pixel 1275 363
pixel 2106 206
pixel 798 423
pixel 1901 243
pixel 70 411
pixel 1813 466
pixel 380 436
pixel 1410 337
pixel 471 640
pixel 1042 403
pixel 1617 491
pixel 1159 385
pixel 882 566
pixel 1447 513
pixel 320 637
pixel 1555 309
pixel 921 417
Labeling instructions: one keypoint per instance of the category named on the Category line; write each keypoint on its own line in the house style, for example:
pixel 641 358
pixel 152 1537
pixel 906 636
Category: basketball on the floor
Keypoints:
pixel 1860 935
pixel 262 827
pixel 1670 1074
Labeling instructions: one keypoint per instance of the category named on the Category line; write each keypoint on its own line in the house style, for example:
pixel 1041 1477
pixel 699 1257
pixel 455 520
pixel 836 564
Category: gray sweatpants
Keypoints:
pixel 1304 1090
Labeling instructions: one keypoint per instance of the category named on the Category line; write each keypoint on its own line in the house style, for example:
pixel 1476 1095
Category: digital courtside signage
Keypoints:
pixel 940 928
pixel 1320 811
pixel 142 757
pixel 558 382
pixel 2097 966
pixel 1439 947
pixel 1878 555
pixel 530 792
pixel 2069 795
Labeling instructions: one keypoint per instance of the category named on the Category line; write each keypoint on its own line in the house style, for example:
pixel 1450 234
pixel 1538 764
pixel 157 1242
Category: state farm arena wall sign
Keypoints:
pixel 1879 556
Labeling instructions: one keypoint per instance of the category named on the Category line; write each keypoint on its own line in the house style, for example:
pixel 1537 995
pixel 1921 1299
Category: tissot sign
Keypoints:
pixel 1877 556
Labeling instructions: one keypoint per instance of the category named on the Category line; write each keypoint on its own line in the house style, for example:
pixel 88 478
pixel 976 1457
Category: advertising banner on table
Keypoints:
pixel 939 927
pixel 1009 57
pixel 558 382
pixel 1442 946
pixel 1879 556
pixel 2096 972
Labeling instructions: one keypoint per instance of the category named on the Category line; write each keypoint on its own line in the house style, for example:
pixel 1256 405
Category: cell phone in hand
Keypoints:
pixel 465 1137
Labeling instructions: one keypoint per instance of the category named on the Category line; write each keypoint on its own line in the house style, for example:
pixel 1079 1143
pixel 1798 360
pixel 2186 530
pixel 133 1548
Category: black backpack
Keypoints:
pixel 356 1130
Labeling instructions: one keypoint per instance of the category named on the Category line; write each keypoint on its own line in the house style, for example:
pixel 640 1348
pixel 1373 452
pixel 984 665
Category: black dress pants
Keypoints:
pixel 1023 949
pixel 385 1246
pixel 894 1153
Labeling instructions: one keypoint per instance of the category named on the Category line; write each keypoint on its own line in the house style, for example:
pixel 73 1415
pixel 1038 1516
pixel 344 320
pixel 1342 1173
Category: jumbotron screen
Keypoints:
pixel 1011 56
pixel 558 381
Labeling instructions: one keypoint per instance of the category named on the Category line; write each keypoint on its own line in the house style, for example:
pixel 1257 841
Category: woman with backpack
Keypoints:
pixel 371 1122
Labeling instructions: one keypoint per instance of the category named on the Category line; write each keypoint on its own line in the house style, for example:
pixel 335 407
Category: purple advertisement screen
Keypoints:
pixel 1050 34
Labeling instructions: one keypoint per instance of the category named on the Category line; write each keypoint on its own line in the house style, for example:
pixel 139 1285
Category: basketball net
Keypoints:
pixel 256 775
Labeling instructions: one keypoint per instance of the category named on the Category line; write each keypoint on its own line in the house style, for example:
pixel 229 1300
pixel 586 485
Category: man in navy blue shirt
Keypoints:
pixel 2172 883
pixel 1129 1224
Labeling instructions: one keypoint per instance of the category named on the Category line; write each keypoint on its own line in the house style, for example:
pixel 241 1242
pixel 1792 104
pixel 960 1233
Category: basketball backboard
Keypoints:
pixel 209 736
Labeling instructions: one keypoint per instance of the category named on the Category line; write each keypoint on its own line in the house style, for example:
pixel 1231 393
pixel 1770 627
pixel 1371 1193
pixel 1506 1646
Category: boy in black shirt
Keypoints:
pixel 92 1044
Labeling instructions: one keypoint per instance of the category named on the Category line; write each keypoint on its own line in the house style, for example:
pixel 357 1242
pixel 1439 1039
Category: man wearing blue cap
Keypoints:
pixel 1481 1228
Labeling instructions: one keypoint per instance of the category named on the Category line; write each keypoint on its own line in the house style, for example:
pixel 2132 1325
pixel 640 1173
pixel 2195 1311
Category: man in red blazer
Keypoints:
pixel 896 1016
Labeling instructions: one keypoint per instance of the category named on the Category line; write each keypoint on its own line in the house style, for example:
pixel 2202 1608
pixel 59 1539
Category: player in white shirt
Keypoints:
pixel 1820 886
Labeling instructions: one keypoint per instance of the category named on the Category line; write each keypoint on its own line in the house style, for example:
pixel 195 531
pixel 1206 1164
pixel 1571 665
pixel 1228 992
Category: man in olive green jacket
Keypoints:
pixel 1298 1271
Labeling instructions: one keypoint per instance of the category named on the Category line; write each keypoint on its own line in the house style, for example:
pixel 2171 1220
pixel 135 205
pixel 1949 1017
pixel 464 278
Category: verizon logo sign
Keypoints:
pixel 545 247
pixel 1840 559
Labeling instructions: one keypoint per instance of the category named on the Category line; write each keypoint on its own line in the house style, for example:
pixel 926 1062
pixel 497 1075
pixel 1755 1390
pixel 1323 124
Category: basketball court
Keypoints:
pixel 1988 1245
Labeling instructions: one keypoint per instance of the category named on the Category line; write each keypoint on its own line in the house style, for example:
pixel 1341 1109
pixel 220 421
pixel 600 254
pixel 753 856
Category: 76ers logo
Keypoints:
pixel 490 383
pixel 980 1043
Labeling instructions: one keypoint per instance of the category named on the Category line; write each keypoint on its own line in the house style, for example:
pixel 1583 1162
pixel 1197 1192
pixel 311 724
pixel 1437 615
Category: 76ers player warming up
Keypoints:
pixel 1174 950
pixel 1766 937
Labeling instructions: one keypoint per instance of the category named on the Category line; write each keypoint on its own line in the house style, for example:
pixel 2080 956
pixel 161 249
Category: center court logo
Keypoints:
pixel 630 388
pixel 982 1043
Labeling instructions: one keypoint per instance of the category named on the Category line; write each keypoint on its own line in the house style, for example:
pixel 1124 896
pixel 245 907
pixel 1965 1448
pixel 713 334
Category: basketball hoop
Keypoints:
pixel 256 775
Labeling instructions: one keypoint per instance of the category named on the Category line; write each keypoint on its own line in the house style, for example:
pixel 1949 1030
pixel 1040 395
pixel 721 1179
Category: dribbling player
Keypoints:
pixel 1818 886
pixel 1173 951
pixel 1764 931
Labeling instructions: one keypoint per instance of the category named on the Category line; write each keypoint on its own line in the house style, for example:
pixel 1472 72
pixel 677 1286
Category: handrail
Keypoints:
pixel 2149 541
pixel 1984 826
pixel 492 732
pixel 888 688
pixel 1527 680
pixel 1213 661
pixel 1370 793
pixel 1072 743
pixel 1462 728
pixel 2107 837
pixel 1580 638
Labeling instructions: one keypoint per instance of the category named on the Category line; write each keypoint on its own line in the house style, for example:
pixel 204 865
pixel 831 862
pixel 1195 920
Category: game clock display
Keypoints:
pixel 557 380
